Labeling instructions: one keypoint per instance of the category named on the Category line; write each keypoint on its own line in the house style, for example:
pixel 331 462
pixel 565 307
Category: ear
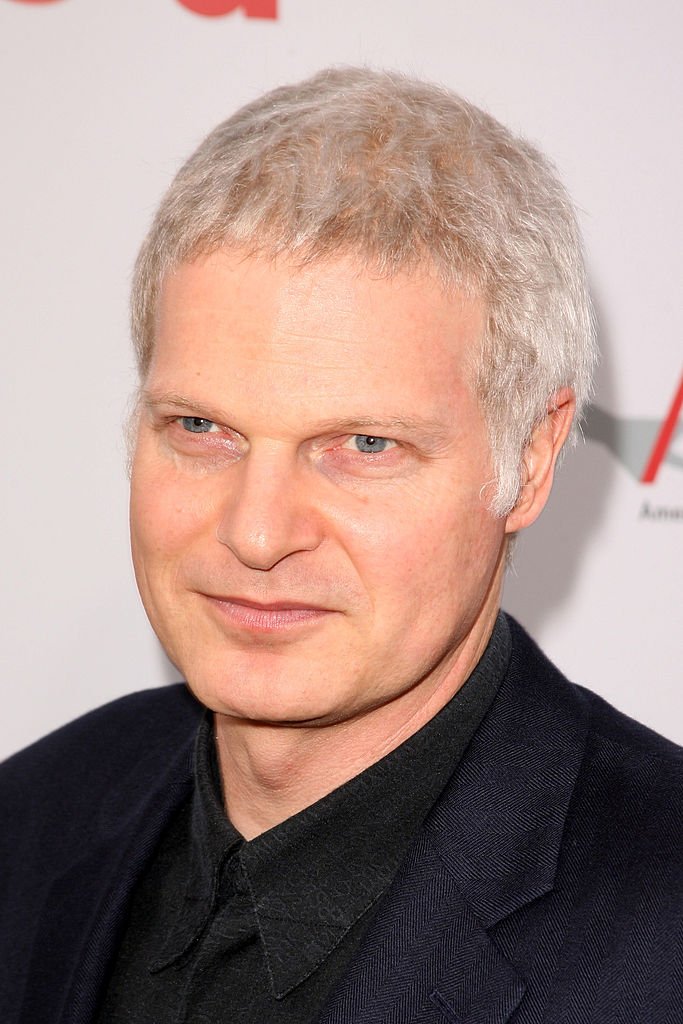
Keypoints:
pixel 539 460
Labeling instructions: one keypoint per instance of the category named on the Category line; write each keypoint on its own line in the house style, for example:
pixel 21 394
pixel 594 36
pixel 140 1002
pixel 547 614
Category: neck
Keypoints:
pixel 271 771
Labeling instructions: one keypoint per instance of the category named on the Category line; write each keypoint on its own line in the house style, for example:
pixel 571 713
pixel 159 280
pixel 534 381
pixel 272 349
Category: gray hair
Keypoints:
pixel 402 174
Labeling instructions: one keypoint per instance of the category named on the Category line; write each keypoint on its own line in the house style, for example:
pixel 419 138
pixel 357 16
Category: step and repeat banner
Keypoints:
pixel 102 100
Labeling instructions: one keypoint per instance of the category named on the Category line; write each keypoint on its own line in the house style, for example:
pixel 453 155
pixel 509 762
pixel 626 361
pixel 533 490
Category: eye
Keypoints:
pixel 371 445
pixel 196 424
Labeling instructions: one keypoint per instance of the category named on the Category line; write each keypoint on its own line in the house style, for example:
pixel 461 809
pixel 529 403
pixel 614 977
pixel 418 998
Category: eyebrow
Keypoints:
pixel 152 399
pixel 430 429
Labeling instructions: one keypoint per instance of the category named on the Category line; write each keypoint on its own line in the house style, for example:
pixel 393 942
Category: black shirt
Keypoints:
pixel 225 930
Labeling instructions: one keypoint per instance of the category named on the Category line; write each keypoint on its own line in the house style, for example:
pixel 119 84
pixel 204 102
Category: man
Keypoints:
pixel 364 337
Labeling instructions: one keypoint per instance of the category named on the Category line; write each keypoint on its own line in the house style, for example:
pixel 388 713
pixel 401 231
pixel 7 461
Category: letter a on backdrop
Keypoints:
pixel 214 8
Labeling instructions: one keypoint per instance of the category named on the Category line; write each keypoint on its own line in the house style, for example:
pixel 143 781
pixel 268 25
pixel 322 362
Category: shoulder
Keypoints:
pixel 81 762
pixel 80 810
pixel 605 725
pixel 119 726
pixel 616 899
pixel 628 792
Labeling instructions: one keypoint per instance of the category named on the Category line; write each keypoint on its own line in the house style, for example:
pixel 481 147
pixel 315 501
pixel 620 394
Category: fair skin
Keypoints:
pixel 310 528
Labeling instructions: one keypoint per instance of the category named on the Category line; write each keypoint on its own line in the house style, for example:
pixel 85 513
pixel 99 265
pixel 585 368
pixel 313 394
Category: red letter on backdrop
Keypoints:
pixel 664 438
pixel 213 8
pixel 252 8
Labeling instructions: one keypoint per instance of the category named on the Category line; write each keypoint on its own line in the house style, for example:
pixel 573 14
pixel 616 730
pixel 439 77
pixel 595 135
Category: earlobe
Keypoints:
pixel 540 459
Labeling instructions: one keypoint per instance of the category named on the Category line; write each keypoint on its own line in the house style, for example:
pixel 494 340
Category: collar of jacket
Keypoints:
pixel 489 847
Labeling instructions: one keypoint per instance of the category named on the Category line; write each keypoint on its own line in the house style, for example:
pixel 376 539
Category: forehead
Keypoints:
pixel 331 329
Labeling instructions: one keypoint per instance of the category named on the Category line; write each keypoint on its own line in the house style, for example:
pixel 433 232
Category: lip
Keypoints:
pixel 267 617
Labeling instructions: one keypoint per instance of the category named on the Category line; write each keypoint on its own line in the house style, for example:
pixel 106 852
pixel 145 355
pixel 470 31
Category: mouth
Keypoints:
pixel 267 617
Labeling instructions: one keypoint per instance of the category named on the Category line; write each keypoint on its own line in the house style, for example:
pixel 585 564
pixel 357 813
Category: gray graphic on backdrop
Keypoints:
pixel 631 440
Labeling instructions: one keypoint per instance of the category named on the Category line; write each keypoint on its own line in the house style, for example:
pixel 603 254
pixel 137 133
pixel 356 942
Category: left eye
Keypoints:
pixel 196 424
pixel 369 444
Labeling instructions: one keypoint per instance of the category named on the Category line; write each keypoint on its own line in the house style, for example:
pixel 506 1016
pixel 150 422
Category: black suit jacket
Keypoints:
pixel 544 888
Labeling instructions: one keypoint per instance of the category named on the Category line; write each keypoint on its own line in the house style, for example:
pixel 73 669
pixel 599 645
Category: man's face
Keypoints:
pixel 309 523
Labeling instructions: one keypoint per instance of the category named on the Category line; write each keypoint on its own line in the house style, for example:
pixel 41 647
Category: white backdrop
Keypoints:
pixel 102 99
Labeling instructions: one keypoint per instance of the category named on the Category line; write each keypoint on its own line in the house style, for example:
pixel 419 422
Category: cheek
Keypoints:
pixel 166 513
pixel 399 548
pixel 424 549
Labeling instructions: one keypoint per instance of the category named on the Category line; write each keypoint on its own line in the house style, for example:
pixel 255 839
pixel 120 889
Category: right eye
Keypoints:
pixel 197 425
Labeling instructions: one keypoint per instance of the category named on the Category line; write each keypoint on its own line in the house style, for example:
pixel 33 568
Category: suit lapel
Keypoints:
pixel 425 957
pixel 489 847
pixel 88 901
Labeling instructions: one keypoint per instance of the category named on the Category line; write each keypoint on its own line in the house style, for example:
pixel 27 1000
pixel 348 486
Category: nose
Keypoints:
pixel 268 513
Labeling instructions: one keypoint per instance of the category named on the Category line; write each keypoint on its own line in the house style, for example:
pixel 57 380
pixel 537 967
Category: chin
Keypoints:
pixel 263 696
